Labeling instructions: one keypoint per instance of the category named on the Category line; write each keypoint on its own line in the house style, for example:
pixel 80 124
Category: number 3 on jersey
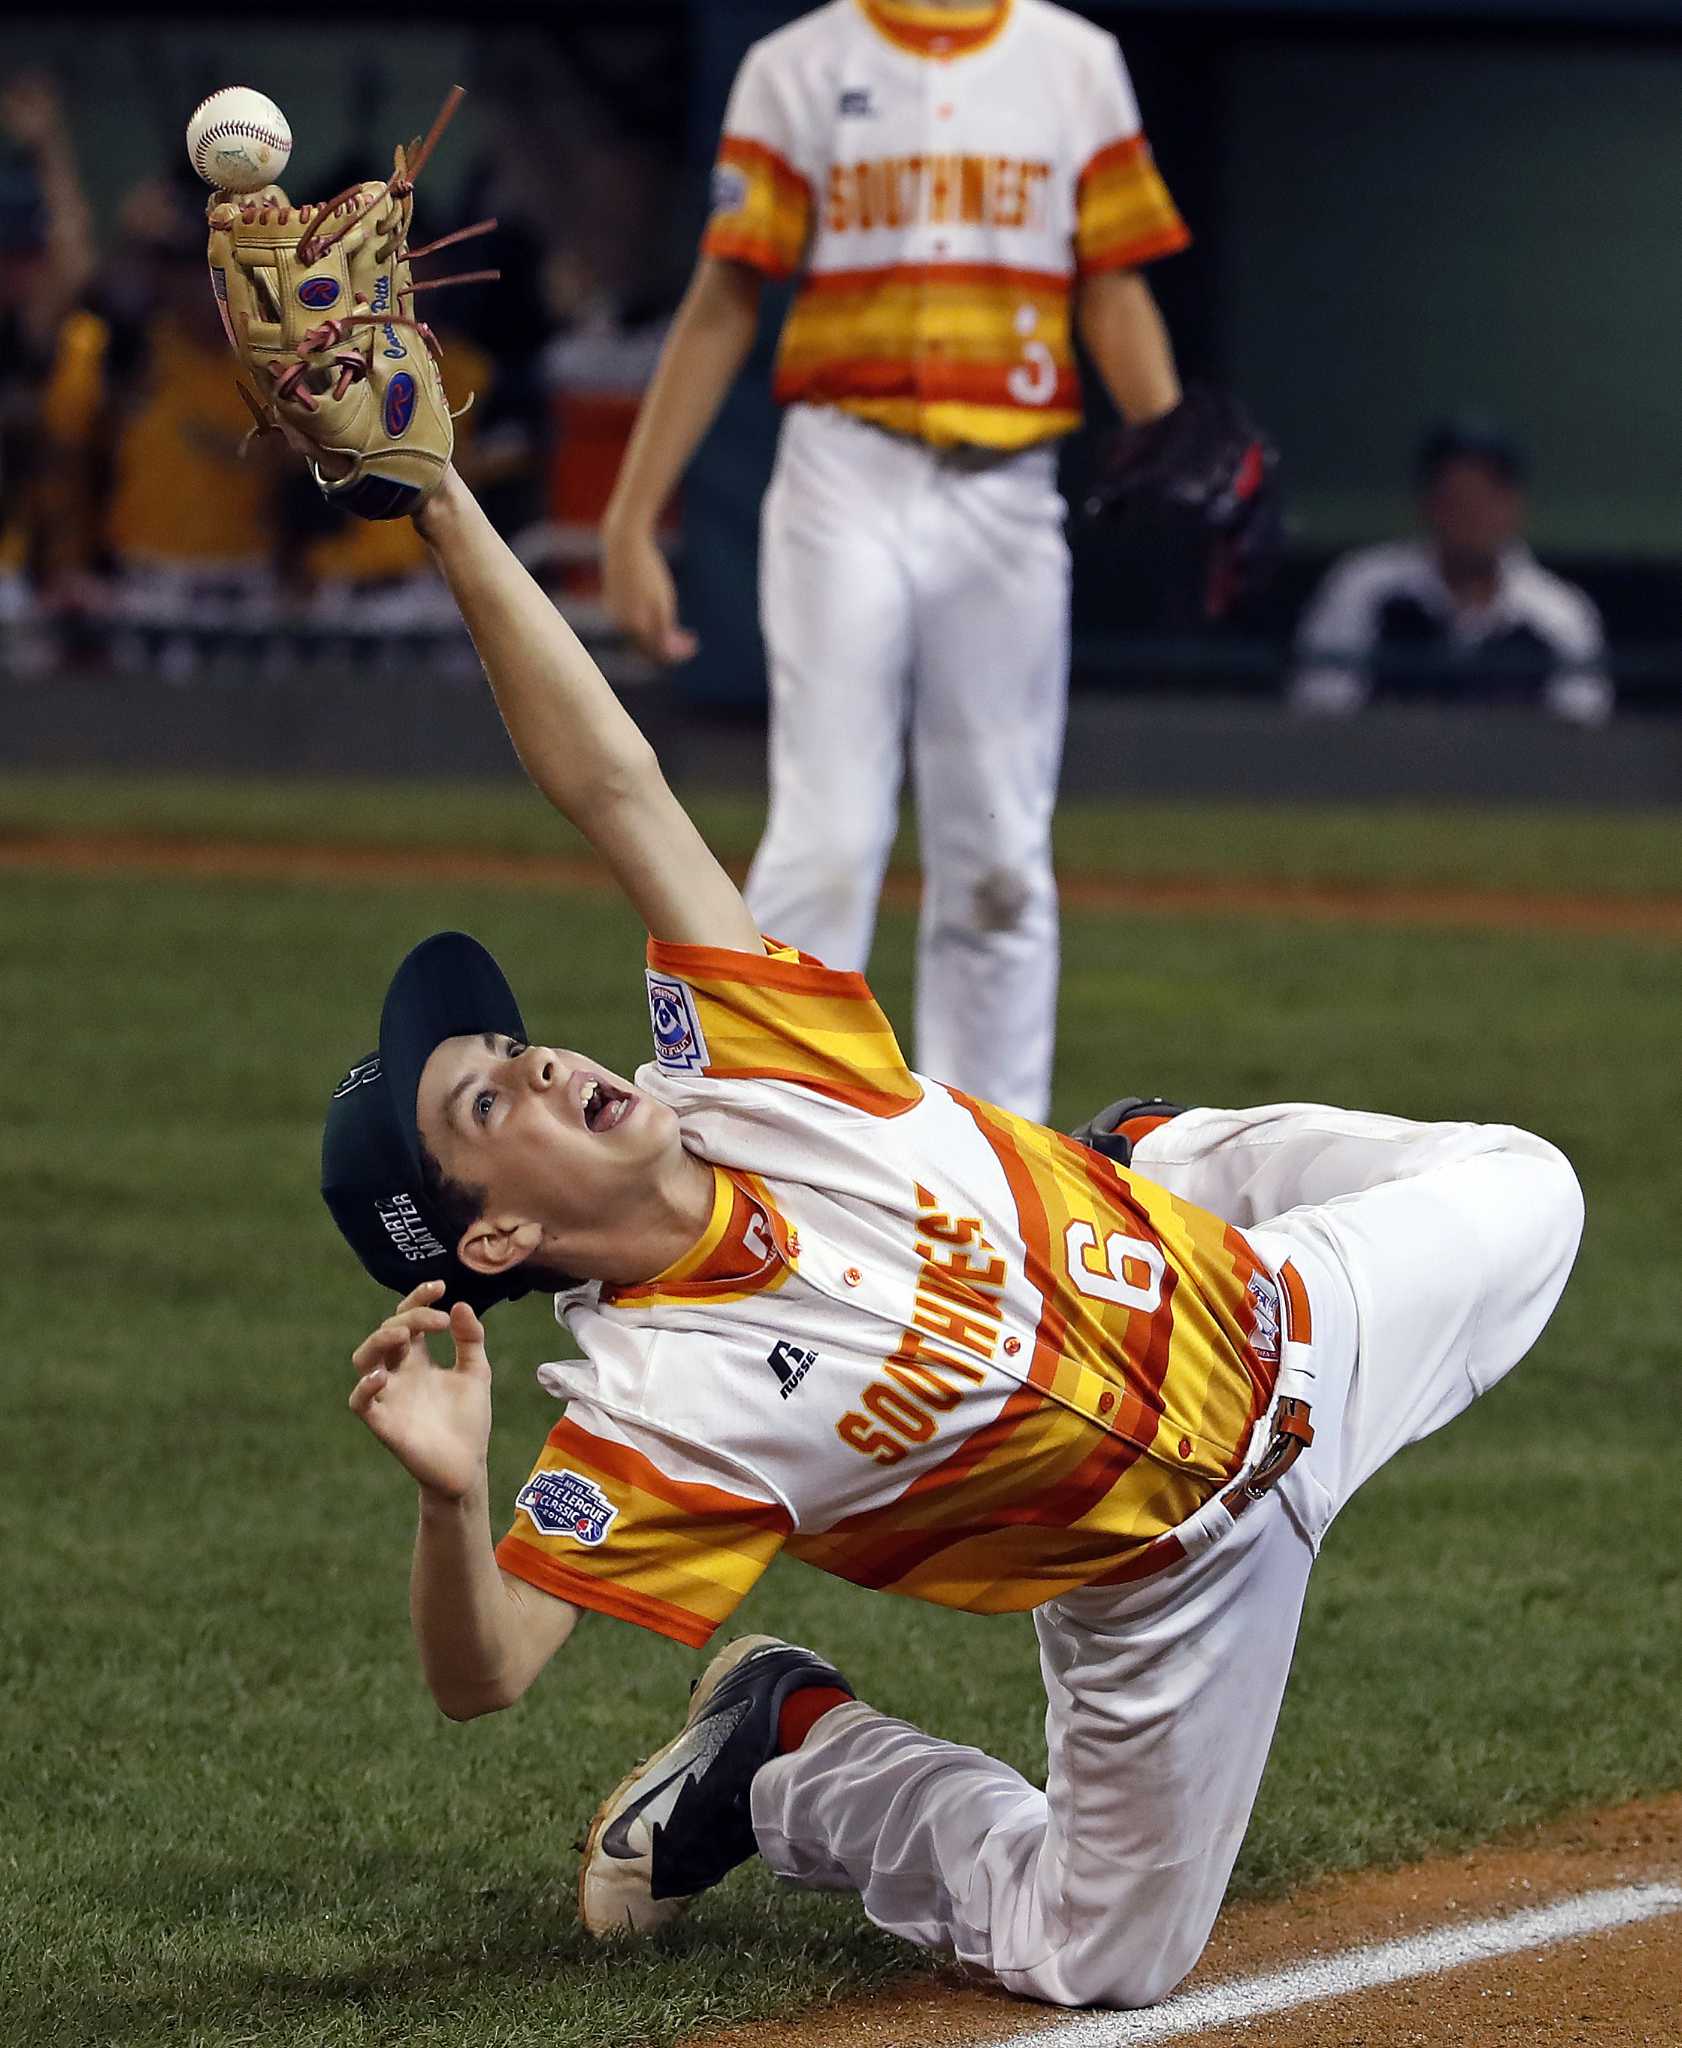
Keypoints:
pixel 1124 1270
pixel 1034 379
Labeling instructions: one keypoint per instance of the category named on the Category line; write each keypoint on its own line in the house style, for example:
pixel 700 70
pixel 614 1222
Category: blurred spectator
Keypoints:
pixel 157 517
pixel 511 323
pixel 1467 612
pixel 189 521
pixel 597 367
pixel 46 256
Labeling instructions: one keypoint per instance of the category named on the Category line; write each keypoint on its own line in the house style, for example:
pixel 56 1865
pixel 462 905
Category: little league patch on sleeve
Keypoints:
pixel 679 1046
pixel 567 1504
pixel 729 189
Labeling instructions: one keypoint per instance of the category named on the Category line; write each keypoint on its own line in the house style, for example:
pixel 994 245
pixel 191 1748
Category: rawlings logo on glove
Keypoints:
pixel 383 433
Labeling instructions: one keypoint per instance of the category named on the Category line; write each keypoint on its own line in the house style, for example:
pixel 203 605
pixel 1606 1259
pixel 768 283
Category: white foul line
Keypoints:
pixel 1361 1969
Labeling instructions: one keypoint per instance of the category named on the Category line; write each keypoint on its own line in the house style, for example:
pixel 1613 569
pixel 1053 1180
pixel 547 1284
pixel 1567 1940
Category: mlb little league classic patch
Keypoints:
pixel 567 1504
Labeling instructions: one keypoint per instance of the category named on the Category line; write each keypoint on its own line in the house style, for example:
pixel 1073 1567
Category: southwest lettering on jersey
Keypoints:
pixel 1025 1425
pixel 938 191
pixel 939 243
pixel 960 1284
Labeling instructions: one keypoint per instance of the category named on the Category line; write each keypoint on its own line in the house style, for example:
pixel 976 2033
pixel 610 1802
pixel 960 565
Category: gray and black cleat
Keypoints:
pixel 681 1820
pixel 1116 1130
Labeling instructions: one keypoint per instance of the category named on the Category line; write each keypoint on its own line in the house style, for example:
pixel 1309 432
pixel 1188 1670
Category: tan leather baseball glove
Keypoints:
pixel 318 304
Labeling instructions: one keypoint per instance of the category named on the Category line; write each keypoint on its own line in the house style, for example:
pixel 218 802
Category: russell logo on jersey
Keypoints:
pixel 791 1363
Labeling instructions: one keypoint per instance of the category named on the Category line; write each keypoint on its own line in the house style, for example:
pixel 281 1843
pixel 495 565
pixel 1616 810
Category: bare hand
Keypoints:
pixel 435 1420
pixel 640 593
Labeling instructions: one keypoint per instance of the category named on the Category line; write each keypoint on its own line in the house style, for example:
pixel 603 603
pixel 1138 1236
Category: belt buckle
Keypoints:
pixel 1293 1432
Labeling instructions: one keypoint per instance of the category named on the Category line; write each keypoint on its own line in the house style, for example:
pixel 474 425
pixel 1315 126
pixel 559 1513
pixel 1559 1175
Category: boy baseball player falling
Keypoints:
pixel 960 185
pixel 831 1306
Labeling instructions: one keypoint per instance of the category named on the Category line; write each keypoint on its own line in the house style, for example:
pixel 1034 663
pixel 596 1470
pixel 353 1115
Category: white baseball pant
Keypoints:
pixel 911 591
pixel 1432 1255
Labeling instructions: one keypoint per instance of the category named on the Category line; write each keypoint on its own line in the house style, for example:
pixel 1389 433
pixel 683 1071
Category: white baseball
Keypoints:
pixel 238 139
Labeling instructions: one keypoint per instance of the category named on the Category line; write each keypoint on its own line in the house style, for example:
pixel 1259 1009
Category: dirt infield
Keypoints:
pixel 1610 1990
pixel 1653 917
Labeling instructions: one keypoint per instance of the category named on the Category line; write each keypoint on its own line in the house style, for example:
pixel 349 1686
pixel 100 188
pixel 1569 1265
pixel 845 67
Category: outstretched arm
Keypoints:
pixel 576 740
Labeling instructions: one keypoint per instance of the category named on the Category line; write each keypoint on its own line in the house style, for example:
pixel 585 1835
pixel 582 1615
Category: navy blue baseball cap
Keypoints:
pixel 1470 437
pixel 371 1177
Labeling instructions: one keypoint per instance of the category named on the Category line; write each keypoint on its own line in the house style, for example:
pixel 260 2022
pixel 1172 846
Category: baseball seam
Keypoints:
pixel 219 130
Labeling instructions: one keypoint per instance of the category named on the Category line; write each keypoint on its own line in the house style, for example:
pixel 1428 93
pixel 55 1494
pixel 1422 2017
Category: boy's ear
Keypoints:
pixel 494 1248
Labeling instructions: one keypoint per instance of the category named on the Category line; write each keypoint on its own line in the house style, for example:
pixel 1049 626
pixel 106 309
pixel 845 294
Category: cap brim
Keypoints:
pixel 447 987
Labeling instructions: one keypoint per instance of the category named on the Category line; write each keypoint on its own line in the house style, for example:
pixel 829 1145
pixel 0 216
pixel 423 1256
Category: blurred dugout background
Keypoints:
pixel 1402 216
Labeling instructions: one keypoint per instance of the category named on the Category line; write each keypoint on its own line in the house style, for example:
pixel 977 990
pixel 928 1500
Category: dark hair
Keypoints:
pixel 1470 438
pixel 459 1204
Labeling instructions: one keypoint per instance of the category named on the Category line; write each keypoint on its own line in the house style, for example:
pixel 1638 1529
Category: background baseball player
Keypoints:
pixel 960 187
pixel 830 1306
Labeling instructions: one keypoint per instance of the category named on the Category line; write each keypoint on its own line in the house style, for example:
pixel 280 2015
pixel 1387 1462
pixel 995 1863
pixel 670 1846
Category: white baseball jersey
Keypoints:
pixel 923 1344
pixel 940 177
pixel 1434 1254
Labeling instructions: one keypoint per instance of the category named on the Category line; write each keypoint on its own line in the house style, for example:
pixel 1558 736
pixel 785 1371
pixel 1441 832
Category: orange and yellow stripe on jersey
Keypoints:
pixel 741 1252
pixel 783 1017
pixel 682 1555
pixel 1123 213
pixel 935 350
pixel 1148 1314
pixel 1138 1401
pixel 942 32
pixel 762 208
pixel 1030 1506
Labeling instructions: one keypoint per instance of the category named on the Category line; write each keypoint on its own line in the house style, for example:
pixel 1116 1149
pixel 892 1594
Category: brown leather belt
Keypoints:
pixel 1292 1434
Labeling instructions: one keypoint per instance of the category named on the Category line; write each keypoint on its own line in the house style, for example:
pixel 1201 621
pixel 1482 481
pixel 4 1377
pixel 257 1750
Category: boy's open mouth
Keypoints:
pixel 606 1107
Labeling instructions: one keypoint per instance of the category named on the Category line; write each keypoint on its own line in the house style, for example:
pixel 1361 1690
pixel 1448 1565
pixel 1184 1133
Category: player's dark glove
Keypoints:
pixel 1208 473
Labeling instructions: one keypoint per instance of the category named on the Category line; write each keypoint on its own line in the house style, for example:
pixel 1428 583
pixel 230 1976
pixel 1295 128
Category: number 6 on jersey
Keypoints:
pixel 1125 1270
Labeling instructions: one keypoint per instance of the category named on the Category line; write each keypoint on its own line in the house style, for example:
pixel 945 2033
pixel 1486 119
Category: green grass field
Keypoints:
pixel 229 1813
